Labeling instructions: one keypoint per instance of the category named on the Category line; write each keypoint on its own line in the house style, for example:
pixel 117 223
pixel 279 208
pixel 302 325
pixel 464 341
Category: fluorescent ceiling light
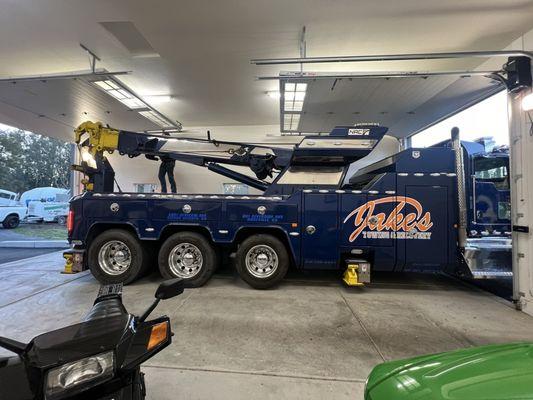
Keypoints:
pixel 293 103
pixel 527 102
pixel 294 96
pixel 115 89
pixel 121 94
pixel 290 122
pixel 294 106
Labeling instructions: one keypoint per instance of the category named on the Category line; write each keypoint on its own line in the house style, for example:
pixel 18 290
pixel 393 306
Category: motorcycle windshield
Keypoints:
pixel 77 341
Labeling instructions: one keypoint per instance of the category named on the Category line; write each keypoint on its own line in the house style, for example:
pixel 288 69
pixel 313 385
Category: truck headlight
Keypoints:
pixel 86 372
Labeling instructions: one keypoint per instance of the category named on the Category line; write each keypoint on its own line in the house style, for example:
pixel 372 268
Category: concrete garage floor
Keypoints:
pixel 311 338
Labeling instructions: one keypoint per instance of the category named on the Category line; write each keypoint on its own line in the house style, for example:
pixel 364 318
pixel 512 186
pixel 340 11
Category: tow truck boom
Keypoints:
pixel 96 139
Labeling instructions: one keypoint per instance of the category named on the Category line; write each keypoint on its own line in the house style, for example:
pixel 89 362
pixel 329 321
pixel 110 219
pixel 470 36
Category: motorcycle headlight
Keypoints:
pixel 80 374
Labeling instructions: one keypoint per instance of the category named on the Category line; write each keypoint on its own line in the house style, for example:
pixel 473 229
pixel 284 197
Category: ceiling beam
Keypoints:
pixel 393 57
pixel 99 73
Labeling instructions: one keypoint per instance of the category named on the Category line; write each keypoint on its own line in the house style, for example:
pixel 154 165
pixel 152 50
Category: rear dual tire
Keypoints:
pixel 116 256
pixel 262 261
pixel 189 256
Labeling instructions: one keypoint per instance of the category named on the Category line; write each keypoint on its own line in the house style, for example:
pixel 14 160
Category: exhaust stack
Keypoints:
pixel 461 189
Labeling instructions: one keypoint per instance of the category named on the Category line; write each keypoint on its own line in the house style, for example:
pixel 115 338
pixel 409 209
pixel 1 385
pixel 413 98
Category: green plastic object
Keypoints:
pixel 495 372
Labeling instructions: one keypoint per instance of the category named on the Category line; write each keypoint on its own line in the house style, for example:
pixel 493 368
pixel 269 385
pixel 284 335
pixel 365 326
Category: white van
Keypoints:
pixel 48 211
pixel 47 204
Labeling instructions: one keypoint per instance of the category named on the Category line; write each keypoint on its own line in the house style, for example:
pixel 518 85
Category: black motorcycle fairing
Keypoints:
pixel 136 351
pixel 13 345
pixel 110 307
pixel 77 341
pixel 14 381
pixel 107 328
pixel 71 343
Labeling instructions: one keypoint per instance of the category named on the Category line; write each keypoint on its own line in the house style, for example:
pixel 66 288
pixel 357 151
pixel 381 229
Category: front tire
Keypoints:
pixel 189 256
pixel 262 261
pixel 116 256
pixel 11 222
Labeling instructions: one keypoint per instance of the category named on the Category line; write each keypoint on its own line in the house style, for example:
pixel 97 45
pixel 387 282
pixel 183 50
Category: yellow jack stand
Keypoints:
pixel 350 276
pixel 68 264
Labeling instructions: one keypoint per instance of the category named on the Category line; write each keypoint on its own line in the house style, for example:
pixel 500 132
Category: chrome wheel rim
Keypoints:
pixel 114 257
pixel 261 261
pixel 185 260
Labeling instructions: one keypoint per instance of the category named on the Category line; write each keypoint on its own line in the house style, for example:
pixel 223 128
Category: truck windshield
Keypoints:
pixel 493 169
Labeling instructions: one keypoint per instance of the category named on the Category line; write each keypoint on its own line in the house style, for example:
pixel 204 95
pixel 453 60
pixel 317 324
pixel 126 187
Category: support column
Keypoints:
pixel 521 175
pixel 76 187
pixel 72 177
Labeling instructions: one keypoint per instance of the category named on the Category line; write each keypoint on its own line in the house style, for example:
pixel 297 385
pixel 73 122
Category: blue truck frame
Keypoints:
pixel 397 214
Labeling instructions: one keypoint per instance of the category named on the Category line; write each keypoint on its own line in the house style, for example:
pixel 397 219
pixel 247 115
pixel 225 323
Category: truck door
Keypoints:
pixel 373 231
pixel 427 244
pixel 320 233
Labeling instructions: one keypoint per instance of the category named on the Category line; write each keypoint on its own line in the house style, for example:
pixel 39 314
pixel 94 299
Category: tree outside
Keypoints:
pixel 28 160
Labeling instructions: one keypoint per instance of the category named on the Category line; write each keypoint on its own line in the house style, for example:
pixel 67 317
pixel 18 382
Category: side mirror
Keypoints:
pixel 170 288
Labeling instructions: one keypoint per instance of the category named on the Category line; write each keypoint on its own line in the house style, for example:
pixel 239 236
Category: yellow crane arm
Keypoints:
pixel 101 138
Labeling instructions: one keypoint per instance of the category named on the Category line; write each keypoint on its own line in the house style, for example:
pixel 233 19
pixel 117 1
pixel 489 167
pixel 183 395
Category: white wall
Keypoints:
pixel 190 178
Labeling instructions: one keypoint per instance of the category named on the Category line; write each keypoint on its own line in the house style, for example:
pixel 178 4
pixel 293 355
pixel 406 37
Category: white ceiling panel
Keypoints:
pixel 404 104
pixel 66 103
pixel 199 51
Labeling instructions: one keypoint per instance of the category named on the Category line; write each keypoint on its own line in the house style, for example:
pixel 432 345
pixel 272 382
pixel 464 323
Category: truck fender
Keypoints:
pixel 97 228
pixel 8 213
pixel 172 228
pixel 13 213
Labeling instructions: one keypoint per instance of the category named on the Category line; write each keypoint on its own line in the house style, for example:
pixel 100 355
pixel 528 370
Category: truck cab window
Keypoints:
pixel 493 169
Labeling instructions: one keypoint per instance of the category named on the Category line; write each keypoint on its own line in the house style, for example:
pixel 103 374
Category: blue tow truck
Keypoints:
pixel 445 207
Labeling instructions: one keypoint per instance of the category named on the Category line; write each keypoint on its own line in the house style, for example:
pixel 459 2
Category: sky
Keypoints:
pixel 487 118
pixel 4 128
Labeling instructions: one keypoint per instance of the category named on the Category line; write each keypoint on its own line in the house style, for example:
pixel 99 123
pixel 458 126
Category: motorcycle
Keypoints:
pixel 99 358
